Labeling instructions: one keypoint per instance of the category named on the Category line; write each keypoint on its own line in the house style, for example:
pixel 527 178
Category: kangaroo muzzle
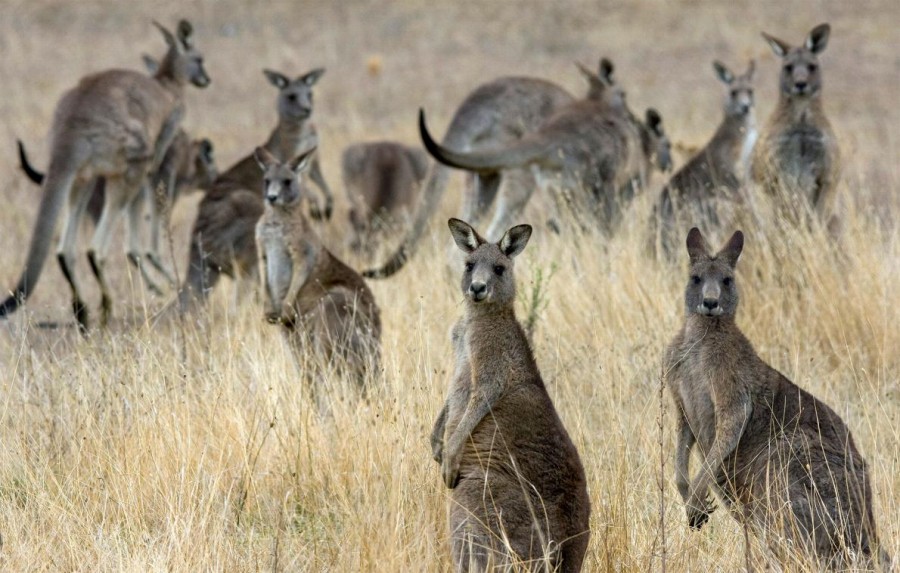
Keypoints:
pixel 709 304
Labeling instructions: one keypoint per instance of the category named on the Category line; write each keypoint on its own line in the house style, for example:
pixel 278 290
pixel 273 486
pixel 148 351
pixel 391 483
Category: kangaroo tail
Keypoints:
pixel 30 171
pixel 60 177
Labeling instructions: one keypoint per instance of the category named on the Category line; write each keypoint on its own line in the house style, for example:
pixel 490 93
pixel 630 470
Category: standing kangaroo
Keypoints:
pixel 717 171
pixel 116 124
pixel 775 454
pixel 382 180
pixel 518 487
pixel 797 159
pixel 324 305
pixel 222 240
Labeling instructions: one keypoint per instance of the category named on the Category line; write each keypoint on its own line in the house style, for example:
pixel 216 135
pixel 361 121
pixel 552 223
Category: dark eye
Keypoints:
pixel 498 270
pixel 696 279
pixel 469 267
pixel 286 182
pixel 727 281
pixel 267 181
pixel 789 68
pixel 734 93
pixel 292 97
pixel 813 67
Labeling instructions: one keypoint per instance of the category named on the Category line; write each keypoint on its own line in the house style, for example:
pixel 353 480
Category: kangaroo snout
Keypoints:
pixel 710 303
pixel 478 291
pixel 271 198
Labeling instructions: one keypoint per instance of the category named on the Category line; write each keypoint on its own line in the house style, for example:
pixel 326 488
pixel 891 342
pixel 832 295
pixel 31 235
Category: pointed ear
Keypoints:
pixel 312 77
pixel 302 161
pixel 185 34
pixel 586 72
pixel 264 158
pixel 278 80
pixel 817 40
pixel 514 241
pixel 167 35
pixel 780 48
pixel 464 235
pixel 606 70
pixel 150 63
pixel 654 121
pixel 206 150
pixel 732 249
pixel 751 70
pixel 723 72
pixel 698 248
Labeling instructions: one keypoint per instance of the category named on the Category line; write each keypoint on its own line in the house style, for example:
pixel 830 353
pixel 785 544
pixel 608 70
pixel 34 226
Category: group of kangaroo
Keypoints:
pixel 782 462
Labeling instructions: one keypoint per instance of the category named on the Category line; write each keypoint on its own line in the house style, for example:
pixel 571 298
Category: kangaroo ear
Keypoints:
pixel 654 121
pixel 732 249
pixel 818 38
pixel 185 34
pixel 264 158
pixel 167 35
pixel 514 241
pixel 586 72
pixel 464 235
pixel 780 48
pixel 302 161
pixel 723 72
pixel 278 80
pixel 206 150
pixel 150 63
pixel 698 248
pixel 606 70
pixel 312 77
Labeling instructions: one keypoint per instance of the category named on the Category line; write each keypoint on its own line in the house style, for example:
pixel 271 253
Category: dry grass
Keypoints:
pixel 119 454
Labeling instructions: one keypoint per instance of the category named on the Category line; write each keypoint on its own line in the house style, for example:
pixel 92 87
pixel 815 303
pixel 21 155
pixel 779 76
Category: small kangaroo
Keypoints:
pixel 716 171
pixel 797 158
pixel 324 305
pixel 222 240
pixel 383 181
pixel 518 487
pixel 116 124
pixel 772 452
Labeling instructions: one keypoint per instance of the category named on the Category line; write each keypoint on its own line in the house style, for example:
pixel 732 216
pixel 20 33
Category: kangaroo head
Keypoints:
pixel 711 290
pixel 655 141
pixel 282 185
pixel 203 163
pixel 800 73
pixel 739 101
pixel 601 85
pixel 183 62
pixel 488 275
pixel 295 98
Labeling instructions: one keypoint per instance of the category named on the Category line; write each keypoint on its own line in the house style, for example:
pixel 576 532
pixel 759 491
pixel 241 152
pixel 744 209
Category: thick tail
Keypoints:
pixel 30 171
pixel 60 177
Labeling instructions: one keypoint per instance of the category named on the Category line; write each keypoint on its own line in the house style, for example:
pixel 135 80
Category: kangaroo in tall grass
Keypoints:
pixel 383 182
pixel 775 455
pixel 116 124
pixel 222 240
pixel 797 159
pixel 716 172
pixel 324 306
pixel 519 491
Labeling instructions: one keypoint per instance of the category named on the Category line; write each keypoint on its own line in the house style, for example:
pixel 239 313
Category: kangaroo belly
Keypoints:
pixel 279 269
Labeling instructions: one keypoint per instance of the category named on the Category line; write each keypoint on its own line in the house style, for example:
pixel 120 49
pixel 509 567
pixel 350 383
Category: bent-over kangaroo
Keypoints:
pixel 519 491
pixel 777 457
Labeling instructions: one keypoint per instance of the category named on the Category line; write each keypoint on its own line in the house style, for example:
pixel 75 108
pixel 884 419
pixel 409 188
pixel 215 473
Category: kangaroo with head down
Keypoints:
pixel 383 181
pixel 116 124
pixel 324 305
pixel 797 159
pixel 222 240
pixel 775 455
pixel 716 173
pixel 519 492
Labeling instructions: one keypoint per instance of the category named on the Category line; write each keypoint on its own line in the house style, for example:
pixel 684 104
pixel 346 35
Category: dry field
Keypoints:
pixel 195 447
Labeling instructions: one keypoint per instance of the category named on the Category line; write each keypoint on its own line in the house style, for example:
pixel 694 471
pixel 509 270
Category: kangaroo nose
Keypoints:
pixel 801 85
pixel 710 303
pixel 271 198
pixel 477 289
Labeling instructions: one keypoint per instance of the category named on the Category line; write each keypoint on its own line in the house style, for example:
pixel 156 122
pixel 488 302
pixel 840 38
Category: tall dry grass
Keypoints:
pixel 168 446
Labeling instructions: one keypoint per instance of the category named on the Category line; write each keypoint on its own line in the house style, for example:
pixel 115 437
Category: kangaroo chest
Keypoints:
pixel 695 391
pixel 278 267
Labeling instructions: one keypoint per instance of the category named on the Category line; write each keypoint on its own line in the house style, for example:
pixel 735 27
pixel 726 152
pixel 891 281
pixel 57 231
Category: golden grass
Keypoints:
pixel 195 447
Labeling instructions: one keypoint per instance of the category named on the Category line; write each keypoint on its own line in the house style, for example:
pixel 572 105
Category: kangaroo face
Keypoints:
pixel 800 73
pixel 282 186
pixel 488 271
pixel 655 141
pixel 739 98
pixel 183 59
pixel 203 163
pixel 711 290
pixel 602 86
pixel 295 98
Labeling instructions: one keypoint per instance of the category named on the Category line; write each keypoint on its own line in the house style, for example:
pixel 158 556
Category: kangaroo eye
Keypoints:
pixel 498 270
pixel 286 182
pixel 789 68
pixel 727 281
pixel 696 279
pixel 813 67
pixel 469 267
pixel 734 93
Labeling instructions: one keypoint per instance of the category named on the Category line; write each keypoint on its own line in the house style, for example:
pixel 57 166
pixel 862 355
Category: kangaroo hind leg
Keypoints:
pixel 79 197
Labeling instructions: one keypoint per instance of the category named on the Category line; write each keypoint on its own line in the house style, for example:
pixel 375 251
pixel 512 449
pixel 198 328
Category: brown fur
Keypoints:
pixel 797 159
pixel 518 487
pixel 774 454
pixel 324 305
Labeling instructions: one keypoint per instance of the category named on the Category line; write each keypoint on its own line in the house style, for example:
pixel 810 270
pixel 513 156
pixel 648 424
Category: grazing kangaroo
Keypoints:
pixel 797 159
pixel 116 124
pixel 518 487
pixel 382 180
pixel 324 305
pixel 222 240
pixel 716 172
pixel 774 453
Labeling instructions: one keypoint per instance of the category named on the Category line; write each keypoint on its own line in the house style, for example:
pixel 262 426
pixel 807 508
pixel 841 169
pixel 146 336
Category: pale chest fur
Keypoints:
pixel 275 235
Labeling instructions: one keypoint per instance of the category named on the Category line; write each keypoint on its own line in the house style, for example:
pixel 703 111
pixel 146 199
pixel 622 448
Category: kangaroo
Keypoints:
pixel 518 486
pixel 222 240
pixel 117 124
pixel 382 180
pixel 716 171
pixel 775 454
pixel 323 305
pixel 797 159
